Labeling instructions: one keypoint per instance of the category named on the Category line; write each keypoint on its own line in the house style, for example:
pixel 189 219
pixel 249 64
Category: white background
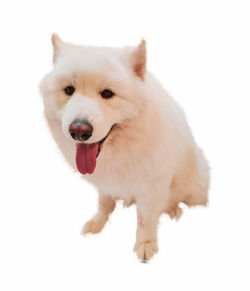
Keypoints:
pixel 200 51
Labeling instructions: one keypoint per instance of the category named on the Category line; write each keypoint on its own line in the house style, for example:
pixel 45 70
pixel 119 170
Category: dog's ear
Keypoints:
pixel 57 45
pixel 139 60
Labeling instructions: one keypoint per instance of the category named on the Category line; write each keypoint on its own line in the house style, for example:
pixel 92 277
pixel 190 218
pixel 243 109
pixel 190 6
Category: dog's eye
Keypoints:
pixel 69 90
pixel 107 93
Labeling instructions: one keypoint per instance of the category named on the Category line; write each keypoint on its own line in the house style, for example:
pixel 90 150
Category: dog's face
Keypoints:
pixel 90 91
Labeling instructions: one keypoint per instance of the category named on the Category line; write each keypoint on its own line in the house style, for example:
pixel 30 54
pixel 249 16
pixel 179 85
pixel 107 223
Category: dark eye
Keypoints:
pixel 107 93
pixel 69 90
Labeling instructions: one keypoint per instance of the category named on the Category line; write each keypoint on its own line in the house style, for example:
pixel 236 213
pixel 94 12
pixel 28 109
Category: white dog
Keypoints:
pixel 117 126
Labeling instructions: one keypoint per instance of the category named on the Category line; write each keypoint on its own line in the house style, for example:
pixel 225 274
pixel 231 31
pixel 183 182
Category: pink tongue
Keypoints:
pixel 86 157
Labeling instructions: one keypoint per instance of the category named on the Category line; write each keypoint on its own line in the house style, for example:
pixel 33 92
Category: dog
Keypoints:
pixel 118 127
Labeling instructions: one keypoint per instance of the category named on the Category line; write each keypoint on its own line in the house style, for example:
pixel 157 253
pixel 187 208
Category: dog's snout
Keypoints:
pixel 80 130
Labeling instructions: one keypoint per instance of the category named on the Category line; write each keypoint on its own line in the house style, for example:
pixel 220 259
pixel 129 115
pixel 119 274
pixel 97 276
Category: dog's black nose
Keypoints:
pixel 80 130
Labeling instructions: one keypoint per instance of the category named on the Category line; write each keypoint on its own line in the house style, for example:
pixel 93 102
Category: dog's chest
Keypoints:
pixel 118 185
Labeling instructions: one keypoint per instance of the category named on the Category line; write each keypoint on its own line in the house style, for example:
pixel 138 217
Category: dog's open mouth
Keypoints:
pixel 86 155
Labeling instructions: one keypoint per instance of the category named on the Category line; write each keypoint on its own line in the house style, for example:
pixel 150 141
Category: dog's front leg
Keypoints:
pixel 148 213
pixel 105 207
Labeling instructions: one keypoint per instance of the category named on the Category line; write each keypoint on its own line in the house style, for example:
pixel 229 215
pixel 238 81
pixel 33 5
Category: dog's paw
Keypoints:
pixel 92 226
pixel 175 212
pixel 145 250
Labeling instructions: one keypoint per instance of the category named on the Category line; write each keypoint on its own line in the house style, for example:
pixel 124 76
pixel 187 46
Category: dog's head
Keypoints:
pixel 90 91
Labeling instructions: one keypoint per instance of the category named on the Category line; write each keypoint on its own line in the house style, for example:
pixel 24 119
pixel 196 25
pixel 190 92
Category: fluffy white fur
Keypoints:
pixel 150 158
